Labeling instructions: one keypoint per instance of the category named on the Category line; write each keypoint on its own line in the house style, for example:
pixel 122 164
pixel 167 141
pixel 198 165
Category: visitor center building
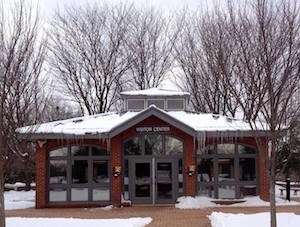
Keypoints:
pixel 151 152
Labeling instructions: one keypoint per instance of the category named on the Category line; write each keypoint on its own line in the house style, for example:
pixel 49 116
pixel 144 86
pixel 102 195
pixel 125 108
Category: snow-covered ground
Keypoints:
pixel 19 200
pixel 61 222
pixel 188 202
pixel 219 219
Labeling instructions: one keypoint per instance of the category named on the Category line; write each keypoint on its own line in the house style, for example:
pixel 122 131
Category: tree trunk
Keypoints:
pixel 2 214
pixel 27 173
pixel 272 183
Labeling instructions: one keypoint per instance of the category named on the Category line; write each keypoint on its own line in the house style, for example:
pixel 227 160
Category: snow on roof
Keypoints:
pixel 106 122
pixel 210 122
pixel 94 124
pixel 155 92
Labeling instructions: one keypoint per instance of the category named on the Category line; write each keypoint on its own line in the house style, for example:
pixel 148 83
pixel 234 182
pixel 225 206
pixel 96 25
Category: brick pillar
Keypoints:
pixel 40 176
pixel 190 160
pixel 116 160
pixel 263 173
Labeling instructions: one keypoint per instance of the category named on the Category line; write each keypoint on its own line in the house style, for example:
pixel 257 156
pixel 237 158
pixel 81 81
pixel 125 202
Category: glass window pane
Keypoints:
pixel 226 191
pixel 205 169
pixel 247 169
pixel 209 149
pixel 164 190
pixel 180 176
pixel 98 151
pixel 100 171
pixel 136 104
pixel 206 191
pixel 246 150
pixel 173 145
pixel 79 194
pixel 132 147
pixel 142 179
pixel 226 169
pixel 248 190
pixel 58 172
pixel 153 145
pixel 175 104
pixel 225 148
pixel 80 150
pixel 59 152
pixel 79 171
pixel 157 102
pixel 57 195
pixel 100 194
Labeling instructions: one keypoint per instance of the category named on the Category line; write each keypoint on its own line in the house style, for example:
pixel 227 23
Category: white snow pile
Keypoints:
pixel 19 199
pixel 219 219
pixel 198 202
pixel 109 207
pixel 17 185
pixel 62 222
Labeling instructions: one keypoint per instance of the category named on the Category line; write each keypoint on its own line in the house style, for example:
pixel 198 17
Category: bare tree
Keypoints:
pixel 204 54
pixel 267 71
pixel 21 59
pixel 149 45
pixel 88 56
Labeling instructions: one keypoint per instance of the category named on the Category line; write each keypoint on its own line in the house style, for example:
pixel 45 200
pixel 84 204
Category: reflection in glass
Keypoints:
pixel 59 152
pixel 206 190
pixel 226 191
pixel 126 181
pixel 58 195
pixel 205 168
pixel 173 145
pixel 98 151
pixel 80 150
pixel 100 194
pixel 153 144
pixel 226 148
pixel 80 171
pixel 164 171
pixel 248 190
pixel 58 172
pixel 209 149
pixel 79 194
pixel 246 150
pixel 100 171
pixel 142 181
pixel 132 147
pixel 247 169
pixel 164 190
pixel 226 169
pixel 180 176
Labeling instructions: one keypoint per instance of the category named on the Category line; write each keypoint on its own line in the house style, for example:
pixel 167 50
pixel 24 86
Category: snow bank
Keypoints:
pixel 199 202
pixel 62 222
pixel 19 199
pixel 219 219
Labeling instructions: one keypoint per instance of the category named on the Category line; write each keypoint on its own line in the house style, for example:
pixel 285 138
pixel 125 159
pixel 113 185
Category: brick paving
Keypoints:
pixel 163 216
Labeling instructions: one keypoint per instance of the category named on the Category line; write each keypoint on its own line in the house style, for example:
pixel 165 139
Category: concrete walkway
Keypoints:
pixel 162 216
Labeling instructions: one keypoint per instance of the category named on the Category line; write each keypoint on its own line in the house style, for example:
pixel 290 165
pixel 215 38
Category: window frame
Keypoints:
pixel 236 156
pixel 90 185
pixel 135 109
pixel 175 109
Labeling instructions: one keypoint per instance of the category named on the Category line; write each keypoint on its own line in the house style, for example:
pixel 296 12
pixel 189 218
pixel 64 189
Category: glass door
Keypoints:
pixel 141 186
pixel 165 181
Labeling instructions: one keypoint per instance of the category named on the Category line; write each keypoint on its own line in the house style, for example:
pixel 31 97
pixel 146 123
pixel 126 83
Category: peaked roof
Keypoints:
pixel 152 111
pixel 154 92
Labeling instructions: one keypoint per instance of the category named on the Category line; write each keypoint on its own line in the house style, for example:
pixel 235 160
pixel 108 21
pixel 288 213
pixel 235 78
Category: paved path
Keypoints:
pixel 165 216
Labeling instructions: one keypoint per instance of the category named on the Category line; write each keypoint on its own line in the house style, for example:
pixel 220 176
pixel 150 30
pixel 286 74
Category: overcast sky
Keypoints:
pixel 48 6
